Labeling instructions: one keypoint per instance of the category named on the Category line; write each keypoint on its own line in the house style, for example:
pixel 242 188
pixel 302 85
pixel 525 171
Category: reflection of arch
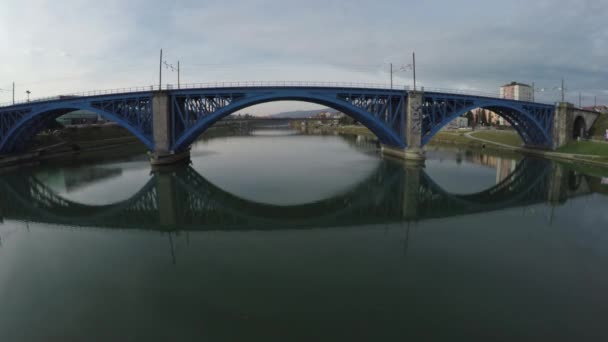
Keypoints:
pixel 527 184
pixel 378 111
pixel 194 197
pixel 195 203
pixel 579 127
pixel 133 113
pixel 532 121
pixel 383 183
pixel 22 193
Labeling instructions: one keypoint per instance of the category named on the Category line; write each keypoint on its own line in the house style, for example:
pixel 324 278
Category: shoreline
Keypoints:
pixel 81 150
pixel 482 144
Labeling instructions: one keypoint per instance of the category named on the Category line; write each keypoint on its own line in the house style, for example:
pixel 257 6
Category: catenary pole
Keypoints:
pixel 414 67
pixel 160 71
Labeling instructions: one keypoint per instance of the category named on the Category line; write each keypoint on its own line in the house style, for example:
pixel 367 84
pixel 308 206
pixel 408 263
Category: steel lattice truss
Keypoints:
pixel 136 111
pixel 380 110
pixel 388 109
pixel 532 121
pixel 189 109
pixel 19 123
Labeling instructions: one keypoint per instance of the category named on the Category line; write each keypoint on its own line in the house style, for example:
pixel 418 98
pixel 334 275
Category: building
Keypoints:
pixel 517 91
pixel 459 122
pixel 491 118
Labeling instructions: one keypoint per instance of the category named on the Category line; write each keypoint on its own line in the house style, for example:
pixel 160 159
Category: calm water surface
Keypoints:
pixel 281 237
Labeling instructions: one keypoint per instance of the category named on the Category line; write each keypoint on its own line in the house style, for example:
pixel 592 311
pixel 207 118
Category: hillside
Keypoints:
pixel 300 114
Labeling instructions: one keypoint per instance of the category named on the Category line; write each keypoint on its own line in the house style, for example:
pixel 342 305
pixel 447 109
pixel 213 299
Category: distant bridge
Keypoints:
pixel 182 199
pixel 168 121
pixel 280 119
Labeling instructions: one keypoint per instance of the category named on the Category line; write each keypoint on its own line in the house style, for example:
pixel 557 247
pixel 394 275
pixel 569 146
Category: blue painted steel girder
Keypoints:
pixel 132 111
pixel 533 121
pixel 196 110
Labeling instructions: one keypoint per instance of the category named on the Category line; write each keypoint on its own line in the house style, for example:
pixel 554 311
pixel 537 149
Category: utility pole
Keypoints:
pixel 178 86
pixel 563 91
pixel 160 71
pixel 391 67
pixel 580 100
pixel 13 93
pixel 533 91
pixel 414 66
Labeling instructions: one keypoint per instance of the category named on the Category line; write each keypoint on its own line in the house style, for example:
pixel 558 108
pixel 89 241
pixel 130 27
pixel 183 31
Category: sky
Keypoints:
pixel 58 47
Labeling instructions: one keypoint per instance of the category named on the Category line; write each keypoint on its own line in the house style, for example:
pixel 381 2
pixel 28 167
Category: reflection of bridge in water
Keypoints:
pixel 183 199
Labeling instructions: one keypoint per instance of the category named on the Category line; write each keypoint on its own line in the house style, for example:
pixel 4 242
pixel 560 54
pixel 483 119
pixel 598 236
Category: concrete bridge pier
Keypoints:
pixel 571 122
pixel 162 132
pixel 413 153
pixel 562 124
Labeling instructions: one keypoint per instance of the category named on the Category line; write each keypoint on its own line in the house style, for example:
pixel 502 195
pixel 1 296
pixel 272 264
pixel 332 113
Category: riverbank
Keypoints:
pixel 98 141
pixel 87 143
pixel 591 153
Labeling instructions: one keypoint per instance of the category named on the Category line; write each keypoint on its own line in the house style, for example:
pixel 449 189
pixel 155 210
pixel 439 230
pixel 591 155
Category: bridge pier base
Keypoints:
pixel 413 153
pixel 159 159
pixel 413 156
pixel 162 132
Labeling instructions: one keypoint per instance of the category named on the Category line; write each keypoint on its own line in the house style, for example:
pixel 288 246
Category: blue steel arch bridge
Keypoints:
pixel 182 199
pixel 169 121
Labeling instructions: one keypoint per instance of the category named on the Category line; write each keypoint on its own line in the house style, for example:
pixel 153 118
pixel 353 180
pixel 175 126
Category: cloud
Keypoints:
pixel 477 44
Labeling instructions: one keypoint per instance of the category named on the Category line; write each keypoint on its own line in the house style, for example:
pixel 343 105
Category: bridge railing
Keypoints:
pixel 258 84
pixel 209 85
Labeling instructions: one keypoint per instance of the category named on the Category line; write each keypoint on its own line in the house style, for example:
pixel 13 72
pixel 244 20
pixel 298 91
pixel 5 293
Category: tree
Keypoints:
pixel 470 119
pixel 346 120
pixel 484 118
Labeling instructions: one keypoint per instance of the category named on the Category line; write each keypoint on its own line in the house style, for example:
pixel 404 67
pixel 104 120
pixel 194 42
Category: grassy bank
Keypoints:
pixel 85 135
pixel 585 147
pixel 506 137
pixel 355 130
pixel 592 151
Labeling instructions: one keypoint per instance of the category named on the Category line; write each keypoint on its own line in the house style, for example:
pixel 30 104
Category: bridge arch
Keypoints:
pixel 579 127
pixel 386 134
pixel 532 122
pixel 39 117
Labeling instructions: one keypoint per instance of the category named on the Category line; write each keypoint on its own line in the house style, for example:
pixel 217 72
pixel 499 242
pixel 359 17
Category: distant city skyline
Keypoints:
pixel 51 48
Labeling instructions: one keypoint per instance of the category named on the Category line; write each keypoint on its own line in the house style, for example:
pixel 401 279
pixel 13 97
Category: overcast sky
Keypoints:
pixel 54 47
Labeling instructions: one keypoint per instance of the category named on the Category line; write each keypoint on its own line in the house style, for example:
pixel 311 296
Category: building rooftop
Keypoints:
pixel 516 83
pixel 598 108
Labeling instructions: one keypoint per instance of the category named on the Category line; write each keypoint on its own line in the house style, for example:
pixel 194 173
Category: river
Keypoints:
pixel 280 236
